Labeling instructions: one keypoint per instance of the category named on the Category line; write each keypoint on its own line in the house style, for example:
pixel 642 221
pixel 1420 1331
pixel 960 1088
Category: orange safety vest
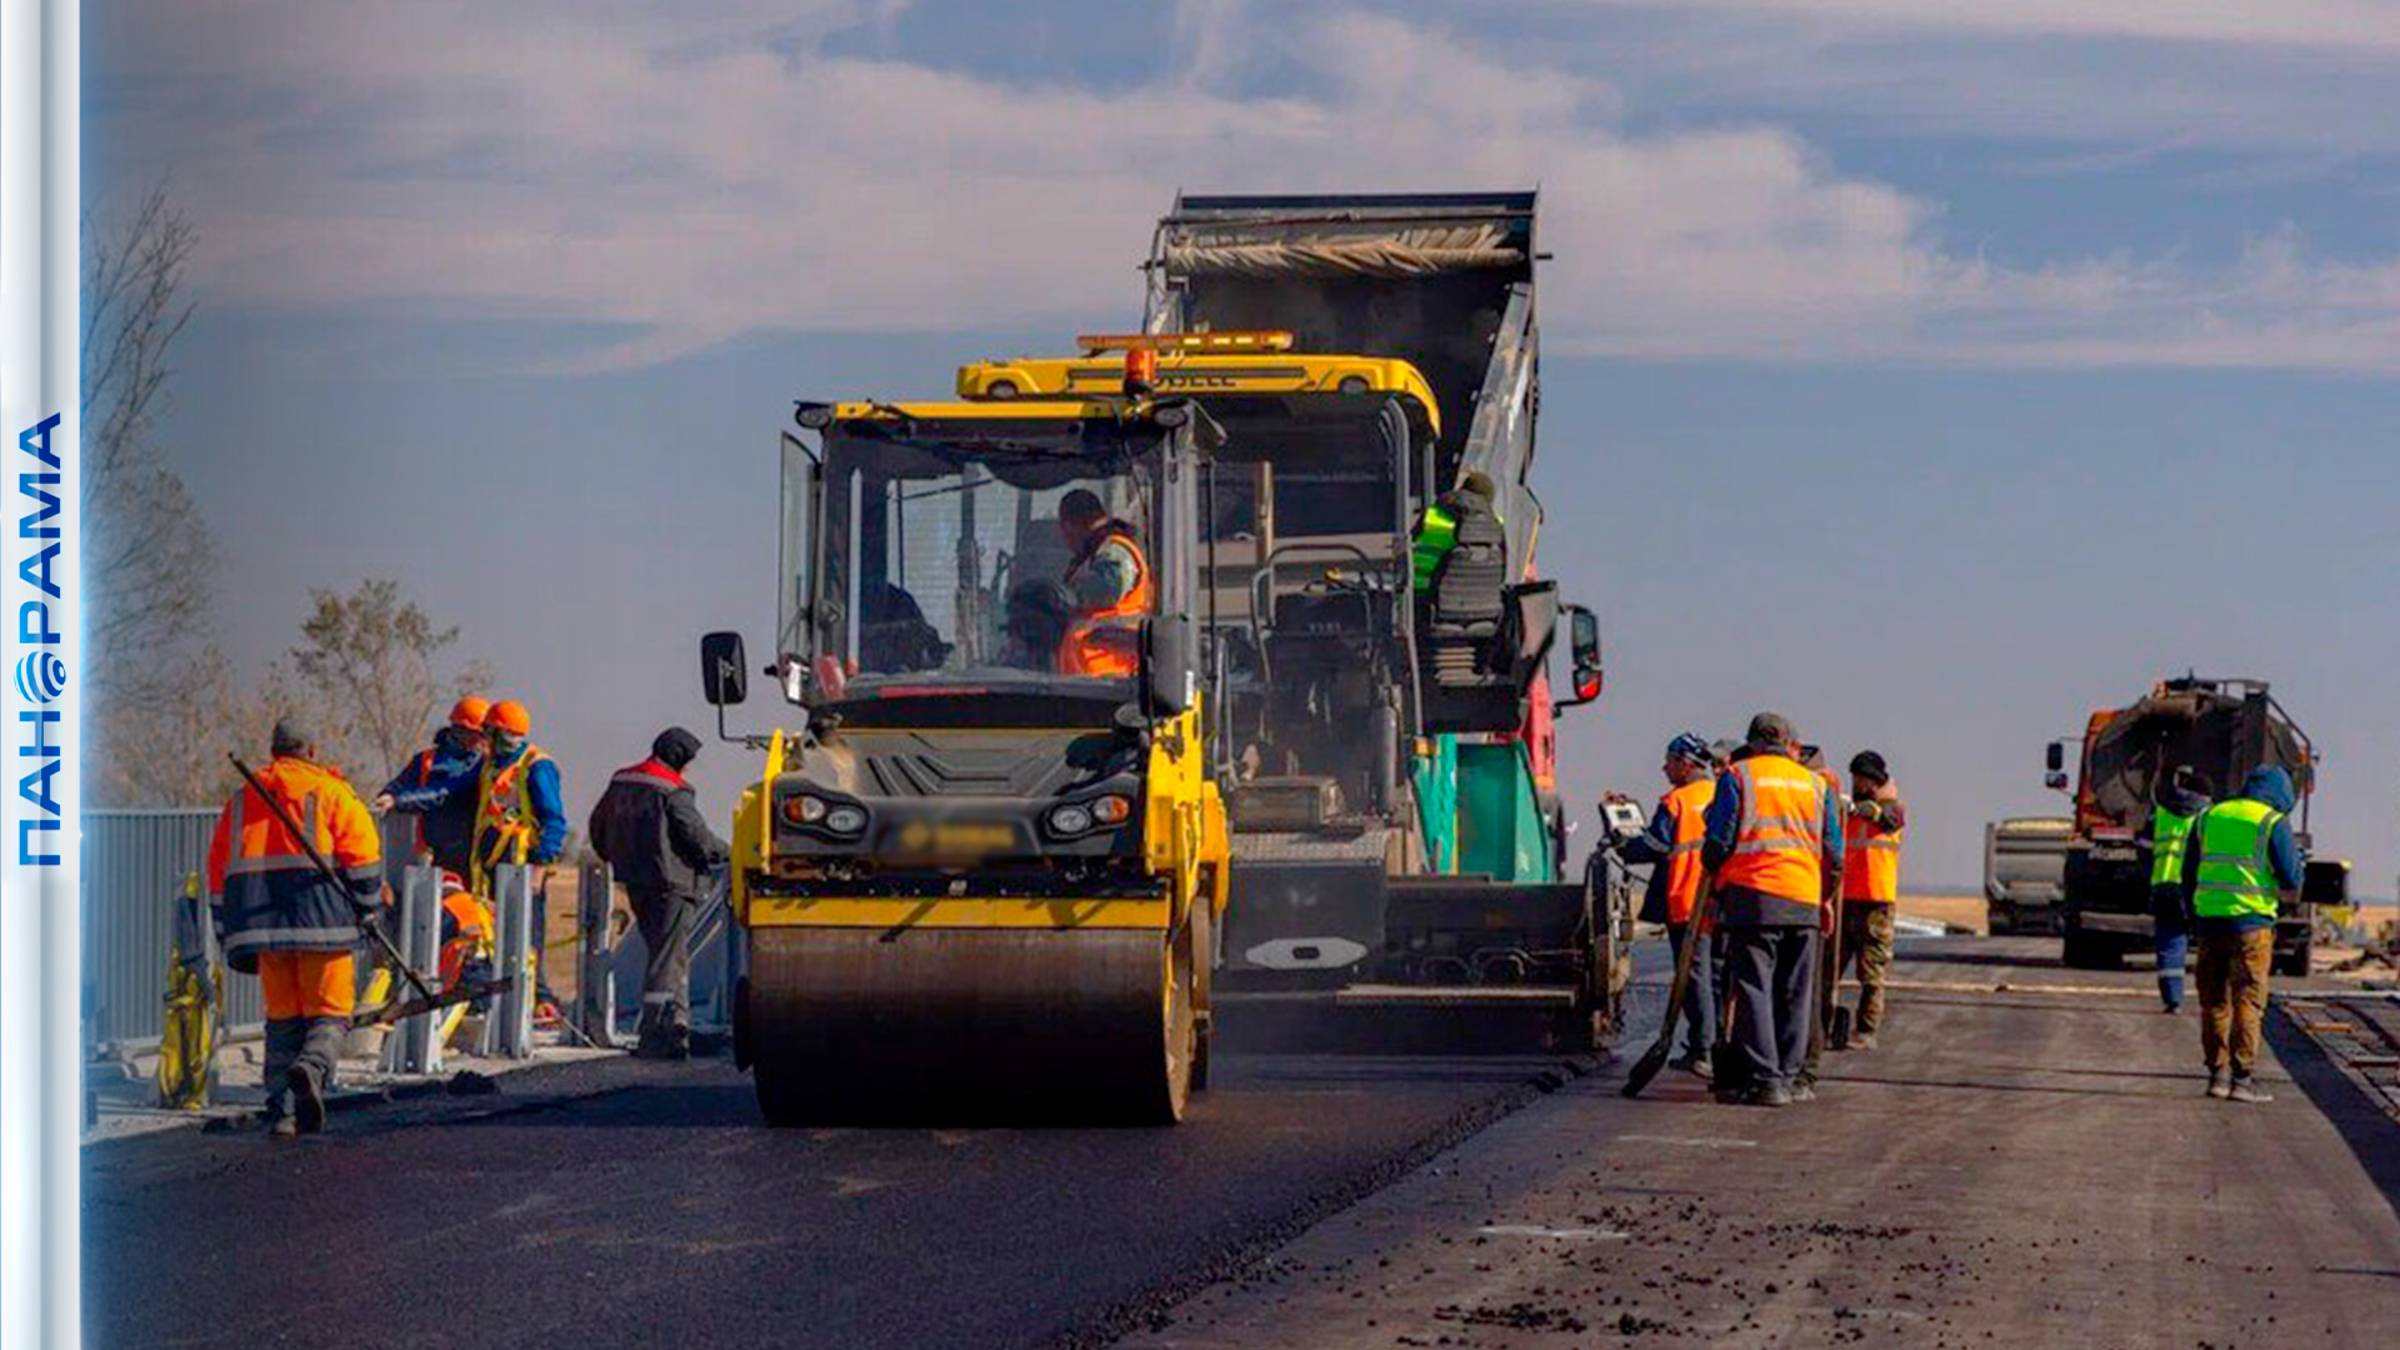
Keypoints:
pixel 470 923
pixel 1687 806
pixel 1778 846
pixel 1106 641
pixel 1870 861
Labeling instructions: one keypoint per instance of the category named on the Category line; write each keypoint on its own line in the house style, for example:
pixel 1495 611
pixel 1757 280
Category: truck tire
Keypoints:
pixel 2082 950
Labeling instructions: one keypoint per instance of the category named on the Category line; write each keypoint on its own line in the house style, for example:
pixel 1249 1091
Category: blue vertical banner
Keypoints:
pixel 41 611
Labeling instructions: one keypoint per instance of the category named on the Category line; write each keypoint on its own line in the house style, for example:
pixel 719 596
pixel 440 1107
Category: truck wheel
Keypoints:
pixel 2087 951
pixel 2295 963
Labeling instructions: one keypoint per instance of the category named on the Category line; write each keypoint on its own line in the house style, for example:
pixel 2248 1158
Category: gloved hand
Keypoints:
pixel 1868 809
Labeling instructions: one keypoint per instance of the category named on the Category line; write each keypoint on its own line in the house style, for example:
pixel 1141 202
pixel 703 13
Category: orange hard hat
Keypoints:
pixel 510 716
pixel 468 713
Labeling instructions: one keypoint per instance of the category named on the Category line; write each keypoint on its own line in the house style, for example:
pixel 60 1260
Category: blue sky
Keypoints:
pixel 1930 372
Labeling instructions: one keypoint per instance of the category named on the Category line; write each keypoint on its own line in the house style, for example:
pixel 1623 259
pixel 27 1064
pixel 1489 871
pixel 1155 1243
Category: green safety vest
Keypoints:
pixel 1437 534
pixel 2168 832
pixel 2237 878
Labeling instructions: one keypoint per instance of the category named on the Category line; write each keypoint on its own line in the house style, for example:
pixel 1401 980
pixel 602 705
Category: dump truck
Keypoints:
pixel 975 881
pixel 1371 604
pixel 2220 729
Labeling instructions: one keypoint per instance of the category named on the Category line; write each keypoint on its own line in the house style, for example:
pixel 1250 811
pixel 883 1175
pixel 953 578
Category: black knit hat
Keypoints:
pixel 290 737
pixel 1868 764
pixel 675 748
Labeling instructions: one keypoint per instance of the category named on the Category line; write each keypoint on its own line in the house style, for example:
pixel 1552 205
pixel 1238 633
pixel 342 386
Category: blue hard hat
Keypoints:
pixel 1691 745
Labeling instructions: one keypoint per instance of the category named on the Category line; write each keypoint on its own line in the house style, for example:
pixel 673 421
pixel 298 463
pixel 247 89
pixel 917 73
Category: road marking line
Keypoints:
pixel 1537 1231
pixel 1687 1141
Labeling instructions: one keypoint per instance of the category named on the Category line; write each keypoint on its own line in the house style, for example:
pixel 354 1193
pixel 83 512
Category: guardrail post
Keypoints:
pixel 512 1021
pixel 596 990
pixel 413 1047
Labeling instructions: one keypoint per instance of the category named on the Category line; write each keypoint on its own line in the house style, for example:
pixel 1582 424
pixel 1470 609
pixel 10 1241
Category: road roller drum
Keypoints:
pixel 962 1025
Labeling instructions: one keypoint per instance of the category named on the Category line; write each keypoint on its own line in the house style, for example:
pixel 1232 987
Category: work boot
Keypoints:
pixel 311 1074
pixel 2220 1084
pixel 660 1047
pixel 1768 1094
pixel 284 1036
pixel 1805 1091
pixel 280 1125
pixel 1695 1065
pixel 2247 1092
pixel 1862 1040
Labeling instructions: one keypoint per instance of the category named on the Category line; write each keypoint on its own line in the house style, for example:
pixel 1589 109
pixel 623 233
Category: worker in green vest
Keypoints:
pixel 2242 863
pixel 2180 798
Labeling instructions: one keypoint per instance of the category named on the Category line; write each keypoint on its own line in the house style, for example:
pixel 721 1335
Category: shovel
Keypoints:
pixel 1655 1058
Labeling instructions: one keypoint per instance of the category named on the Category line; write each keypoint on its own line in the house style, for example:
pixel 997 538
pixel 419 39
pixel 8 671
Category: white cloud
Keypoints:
pixel 697 179
pixel 2332 25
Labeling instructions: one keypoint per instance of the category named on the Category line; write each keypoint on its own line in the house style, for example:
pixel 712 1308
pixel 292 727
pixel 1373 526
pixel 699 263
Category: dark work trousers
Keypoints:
pixel 1773 968
pixel 666 919
pixel 1700 996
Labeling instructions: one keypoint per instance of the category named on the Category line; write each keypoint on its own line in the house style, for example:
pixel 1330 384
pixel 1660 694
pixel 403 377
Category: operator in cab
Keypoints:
pixel 1108 578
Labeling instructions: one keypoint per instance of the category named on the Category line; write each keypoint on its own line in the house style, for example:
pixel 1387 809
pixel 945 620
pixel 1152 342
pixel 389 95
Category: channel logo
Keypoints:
pixel 41 677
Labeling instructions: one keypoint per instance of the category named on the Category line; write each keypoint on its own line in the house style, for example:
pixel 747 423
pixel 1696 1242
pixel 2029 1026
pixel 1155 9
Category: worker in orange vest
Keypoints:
pixel 286 922
pixel 1871 831
pixel 1774 848
pixel 468 931
pixel 1109 578
pixel 1671 849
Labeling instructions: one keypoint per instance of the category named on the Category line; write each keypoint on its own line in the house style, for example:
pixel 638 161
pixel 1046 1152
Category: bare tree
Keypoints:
pixel 147 558
pixel 369 666
pixel 171 751
pixel 148 561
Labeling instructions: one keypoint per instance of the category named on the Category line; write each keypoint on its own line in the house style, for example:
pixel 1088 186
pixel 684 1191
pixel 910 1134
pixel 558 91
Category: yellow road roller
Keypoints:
pixel 983 876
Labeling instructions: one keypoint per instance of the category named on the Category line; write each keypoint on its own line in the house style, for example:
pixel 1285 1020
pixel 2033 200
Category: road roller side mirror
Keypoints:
pixel 724 669
pixel 1167 675
pixel 1583 643
pixel 2054 763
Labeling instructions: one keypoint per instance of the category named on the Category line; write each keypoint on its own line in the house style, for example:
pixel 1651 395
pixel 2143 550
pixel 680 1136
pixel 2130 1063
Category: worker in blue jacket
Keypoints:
pixel 448 830
pixel 520 815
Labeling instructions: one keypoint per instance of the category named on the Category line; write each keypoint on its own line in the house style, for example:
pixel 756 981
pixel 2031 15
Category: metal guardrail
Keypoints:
pixel 134 863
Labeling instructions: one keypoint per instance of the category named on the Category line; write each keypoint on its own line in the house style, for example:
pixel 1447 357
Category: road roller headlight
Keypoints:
pixel 813 812
pixel 1100 813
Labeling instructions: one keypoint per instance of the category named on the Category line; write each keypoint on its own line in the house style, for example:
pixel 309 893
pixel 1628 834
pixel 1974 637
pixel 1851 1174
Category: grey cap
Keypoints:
pixel 290 737
pixel 1771 729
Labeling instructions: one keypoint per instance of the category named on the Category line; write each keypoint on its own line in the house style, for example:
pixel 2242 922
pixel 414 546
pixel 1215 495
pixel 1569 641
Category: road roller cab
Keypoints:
pixel 982 876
